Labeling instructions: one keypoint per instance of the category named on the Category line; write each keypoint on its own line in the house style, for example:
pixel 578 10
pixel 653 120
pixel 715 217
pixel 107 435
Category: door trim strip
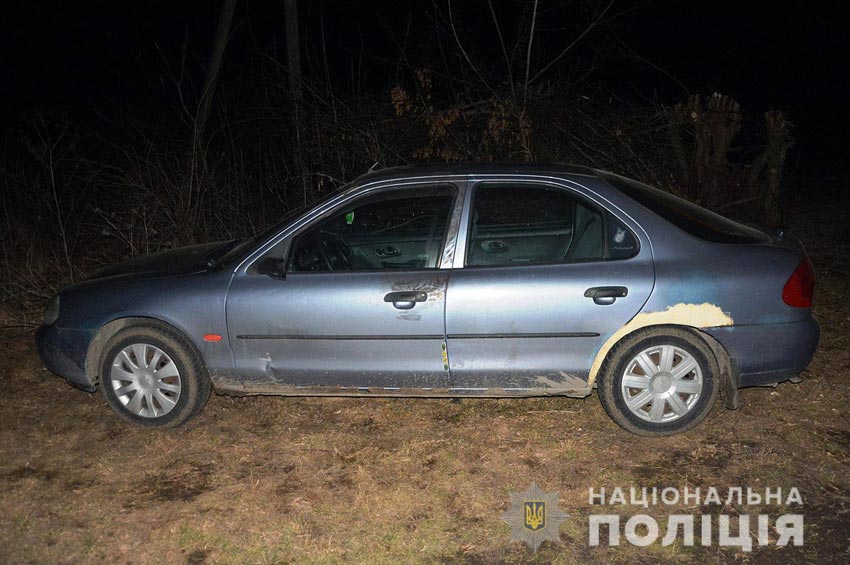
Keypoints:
pixel 417 337
pixel 343 337
pixel 523 336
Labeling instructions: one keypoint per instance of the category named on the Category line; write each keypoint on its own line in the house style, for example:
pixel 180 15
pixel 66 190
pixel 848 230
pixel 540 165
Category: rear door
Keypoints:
pixel 362 302
pixel 548 275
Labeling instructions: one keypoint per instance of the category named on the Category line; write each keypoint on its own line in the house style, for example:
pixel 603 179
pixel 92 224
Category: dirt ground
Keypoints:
pixel 277 480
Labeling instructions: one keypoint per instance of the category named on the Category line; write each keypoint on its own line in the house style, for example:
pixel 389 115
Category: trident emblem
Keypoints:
pixel 535 514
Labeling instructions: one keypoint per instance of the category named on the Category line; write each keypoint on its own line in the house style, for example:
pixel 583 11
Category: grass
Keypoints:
pixel 280 480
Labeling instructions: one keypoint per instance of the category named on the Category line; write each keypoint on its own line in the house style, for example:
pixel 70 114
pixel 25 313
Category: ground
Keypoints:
pixel 276 480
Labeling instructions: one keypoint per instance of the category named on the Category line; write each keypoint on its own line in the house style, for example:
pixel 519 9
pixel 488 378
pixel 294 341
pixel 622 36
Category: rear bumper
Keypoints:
pixel 63 351
pixel 769 353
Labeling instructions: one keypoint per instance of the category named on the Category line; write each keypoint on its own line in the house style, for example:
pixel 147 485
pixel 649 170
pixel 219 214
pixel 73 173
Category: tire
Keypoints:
pixel 675 376
pixel 168 389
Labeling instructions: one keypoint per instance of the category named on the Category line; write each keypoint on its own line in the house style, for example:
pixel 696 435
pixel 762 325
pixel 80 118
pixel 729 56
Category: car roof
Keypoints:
pixel 463 169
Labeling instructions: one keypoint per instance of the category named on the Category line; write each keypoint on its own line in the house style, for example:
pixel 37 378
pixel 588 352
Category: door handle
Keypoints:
pixel 405 300
pixel 605 295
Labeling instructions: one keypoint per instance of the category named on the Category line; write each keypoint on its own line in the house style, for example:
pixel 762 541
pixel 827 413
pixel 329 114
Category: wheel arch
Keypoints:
pixel 109 329
pixel 726 364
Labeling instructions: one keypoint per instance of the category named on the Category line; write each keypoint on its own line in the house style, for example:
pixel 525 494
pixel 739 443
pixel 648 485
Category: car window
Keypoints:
pixel 397 229
pixel 533 225
pixel 685 215
pixel 250 244
pixel 621 242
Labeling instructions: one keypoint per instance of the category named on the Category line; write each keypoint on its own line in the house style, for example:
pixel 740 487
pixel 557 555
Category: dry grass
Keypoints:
pixel 276 480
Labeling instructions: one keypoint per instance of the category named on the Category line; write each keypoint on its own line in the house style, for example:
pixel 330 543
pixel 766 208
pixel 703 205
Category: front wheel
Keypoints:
pixel 152 376
pixel 659 382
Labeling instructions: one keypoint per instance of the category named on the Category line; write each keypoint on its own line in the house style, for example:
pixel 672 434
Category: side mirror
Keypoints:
pixel 274 267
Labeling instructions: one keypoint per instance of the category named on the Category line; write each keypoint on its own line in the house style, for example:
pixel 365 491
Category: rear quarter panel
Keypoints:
pixel 744 280
pixel 704 284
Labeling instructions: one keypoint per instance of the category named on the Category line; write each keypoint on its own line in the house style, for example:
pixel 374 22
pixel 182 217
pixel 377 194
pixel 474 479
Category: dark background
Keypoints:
pixel 96 59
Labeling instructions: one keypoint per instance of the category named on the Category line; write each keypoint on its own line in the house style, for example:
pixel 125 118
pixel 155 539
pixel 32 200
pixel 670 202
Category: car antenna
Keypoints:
pixel 374 166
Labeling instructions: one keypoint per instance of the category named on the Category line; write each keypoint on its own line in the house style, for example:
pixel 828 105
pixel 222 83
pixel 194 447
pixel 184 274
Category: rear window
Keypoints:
pixel 685 215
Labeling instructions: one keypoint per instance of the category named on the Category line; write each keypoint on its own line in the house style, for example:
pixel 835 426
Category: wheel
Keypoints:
pixel 152 375
pixel 659 382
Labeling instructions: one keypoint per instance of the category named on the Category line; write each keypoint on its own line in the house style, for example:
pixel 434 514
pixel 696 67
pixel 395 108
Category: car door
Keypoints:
pixel 548 274
pixel 361 302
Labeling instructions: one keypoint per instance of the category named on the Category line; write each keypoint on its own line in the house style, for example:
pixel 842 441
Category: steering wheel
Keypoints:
pixel 334 252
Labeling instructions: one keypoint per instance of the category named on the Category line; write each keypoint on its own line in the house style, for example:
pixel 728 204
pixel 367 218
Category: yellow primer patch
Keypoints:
pixel 693 315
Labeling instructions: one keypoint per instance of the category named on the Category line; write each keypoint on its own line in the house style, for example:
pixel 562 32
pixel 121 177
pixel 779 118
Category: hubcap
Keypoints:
pixel 145 380
pixel 662 383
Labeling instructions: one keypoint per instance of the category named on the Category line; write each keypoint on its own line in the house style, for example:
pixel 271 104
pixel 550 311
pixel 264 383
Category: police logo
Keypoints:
pixel 534 517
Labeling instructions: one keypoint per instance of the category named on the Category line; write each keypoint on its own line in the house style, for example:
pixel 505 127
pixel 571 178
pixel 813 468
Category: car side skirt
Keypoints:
pixel 237 388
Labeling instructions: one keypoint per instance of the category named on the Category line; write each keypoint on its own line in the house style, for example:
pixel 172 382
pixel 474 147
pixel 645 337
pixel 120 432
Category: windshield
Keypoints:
pixel 243 247
pixel 685 215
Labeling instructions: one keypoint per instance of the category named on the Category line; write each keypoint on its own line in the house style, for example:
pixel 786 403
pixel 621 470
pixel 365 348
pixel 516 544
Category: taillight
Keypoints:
pixel 800 288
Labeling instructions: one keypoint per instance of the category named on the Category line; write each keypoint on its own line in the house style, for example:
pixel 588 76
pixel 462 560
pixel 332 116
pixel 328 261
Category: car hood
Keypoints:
pixel 183 260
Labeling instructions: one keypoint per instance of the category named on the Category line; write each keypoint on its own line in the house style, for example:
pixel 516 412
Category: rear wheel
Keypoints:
pixel 152 376
pixel 659 382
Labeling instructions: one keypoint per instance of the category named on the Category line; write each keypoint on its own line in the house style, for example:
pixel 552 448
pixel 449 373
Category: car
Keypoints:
pixel 461 280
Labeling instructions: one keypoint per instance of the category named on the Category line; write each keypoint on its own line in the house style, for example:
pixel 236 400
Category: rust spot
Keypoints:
pixel 225 384
pixel 560 380
pixel 435 287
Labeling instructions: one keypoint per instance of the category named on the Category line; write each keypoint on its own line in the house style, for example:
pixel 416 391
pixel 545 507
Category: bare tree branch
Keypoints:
pixel 596 20
pixel 528 54
pixel 222 35
pixel 466 55
pixel 502 43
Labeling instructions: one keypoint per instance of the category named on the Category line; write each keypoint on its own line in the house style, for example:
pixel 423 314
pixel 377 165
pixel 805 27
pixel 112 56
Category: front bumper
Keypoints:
pixel 63 352
pixel 766 354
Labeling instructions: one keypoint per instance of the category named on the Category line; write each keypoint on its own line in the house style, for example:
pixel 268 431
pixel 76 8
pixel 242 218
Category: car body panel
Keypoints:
pixel 769 353
pixel 63 351
pixel 532 326
pixel 192 303
pixel 507 330
pixel 303 332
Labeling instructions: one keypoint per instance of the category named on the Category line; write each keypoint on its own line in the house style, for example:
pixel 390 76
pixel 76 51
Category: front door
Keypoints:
pixel 362 301
pixel 548 276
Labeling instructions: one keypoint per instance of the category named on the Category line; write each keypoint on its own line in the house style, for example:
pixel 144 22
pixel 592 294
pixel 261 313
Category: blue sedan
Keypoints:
pixel 453 281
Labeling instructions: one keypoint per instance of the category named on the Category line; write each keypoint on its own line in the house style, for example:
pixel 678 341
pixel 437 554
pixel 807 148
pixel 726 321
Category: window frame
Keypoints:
pixel 684 215
pixel 603 211
pixel 289 240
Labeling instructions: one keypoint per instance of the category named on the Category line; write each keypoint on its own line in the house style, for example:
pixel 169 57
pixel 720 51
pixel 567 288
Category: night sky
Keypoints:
pixel 95 58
